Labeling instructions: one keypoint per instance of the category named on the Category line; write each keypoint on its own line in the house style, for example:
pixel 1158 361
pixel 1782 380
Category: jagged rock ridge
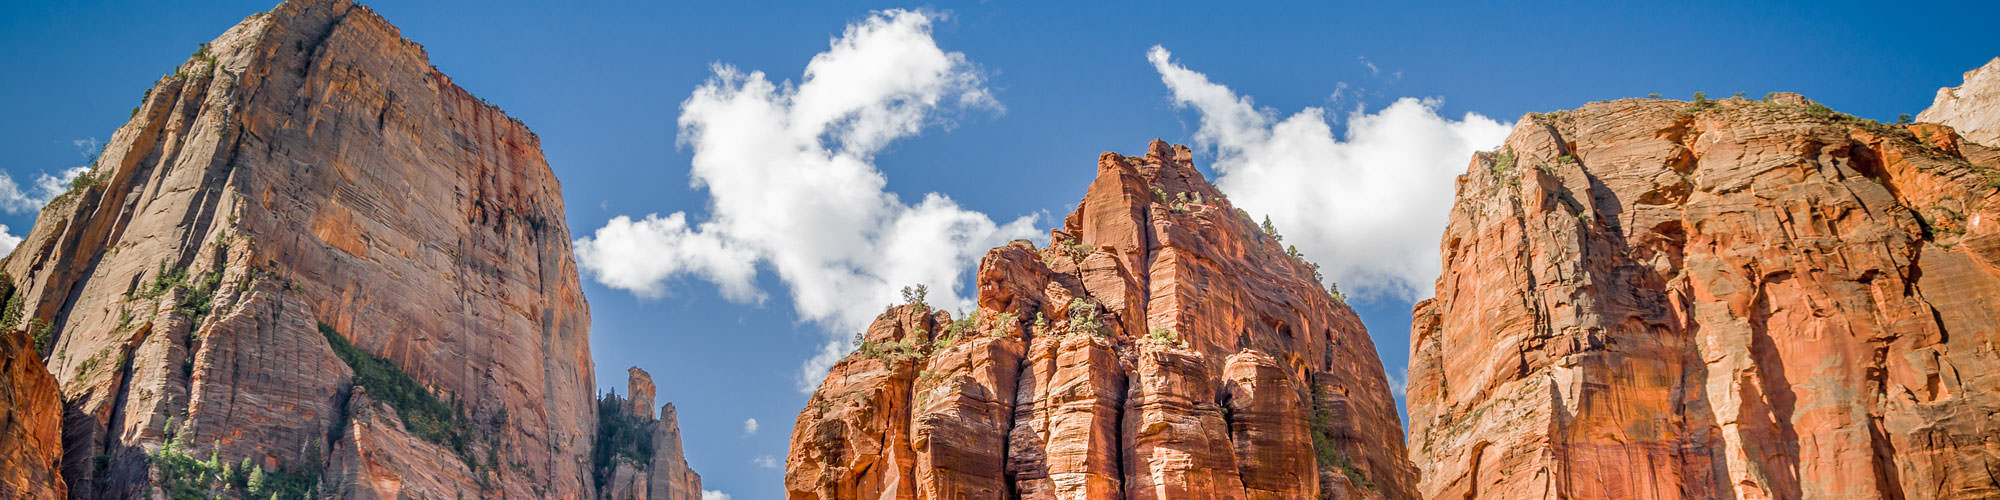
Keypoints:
pixel 303 206
pixel 1162 347
pixel 1654 299
pixel 638 455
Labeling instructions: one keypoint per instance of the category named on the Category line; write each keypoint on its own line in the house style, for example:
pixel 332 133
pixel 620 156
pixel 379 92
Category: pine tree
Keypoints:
pixel 256 482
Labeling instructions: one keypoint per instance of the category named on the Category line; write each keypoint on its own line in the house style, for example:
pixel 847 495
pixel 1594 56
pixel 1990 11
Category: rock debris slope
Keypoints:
pixel 1652 299
pixel 1162 347
pixel 311 255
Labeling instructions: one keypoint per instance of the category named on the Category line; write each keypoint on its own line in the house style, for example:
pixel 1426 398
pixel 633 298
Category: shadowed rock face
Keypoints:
pixel 310 167
pixel 1973 108
pixel 1653 299
pixel 30 423
pixel 1162 347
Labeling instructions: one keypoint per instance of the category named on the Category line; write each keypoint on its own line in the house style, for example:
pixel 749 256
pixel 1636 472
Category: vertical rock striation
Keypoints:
pixel 1163 346
pixel 304 208
pixel 1654 299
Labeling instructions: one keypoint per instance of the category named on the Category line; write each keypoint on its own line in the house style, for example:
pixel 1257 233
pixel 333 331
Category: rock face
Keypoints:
pixel 1162 347
pixel 30 423
pixel 639 456
pixel 309 171
pixel 1972 108
pixel 1654 299
pixel 670 478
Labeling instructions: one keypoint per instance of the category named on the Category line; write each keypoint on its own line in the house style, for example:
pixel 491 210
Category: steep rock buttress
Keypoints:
pixel 310 253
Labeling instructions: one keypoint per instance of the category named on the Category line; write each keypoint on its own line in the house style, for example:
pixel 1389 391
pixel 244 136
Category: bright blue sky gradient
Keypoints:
pixel 602 85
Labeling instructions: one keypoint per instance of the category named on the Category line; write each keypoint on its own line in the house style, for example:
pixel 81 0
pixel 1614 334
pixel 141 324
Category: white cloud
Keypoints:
pixel 1367 205
pixel 789 169
pixel 765 461
pixel 749 424
pixel 15 199
pixel 713 495
pixel 641 255
pixel 8 241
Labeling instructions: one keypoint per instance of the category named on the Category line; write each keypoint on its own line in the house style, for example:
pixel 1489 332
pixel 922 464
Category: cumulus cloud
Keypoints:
pixel 793 188
pixel 750 427
pixel 8 241
pixel 713 495
pixel 1368 204
pixel 765 461
pixel 16 199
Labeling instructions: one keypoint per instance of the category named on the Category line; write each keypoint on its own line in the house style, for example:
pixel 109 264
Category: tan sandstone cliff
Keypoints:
pixel 1972 108
pixel 311 254
pixel 1650 299
pixel 1163 347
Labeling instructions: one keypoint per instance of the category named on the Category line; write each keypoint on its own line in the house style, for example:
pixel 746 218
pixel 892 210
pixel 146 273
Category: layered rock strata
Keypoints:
pixel 1652 299
pixel 1163 346
pixel 308 171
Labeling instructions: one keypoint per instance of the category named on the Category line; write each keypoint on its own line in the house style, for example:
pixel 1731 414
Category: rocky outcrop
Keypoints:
pixel 670 478
pixel 304 208
pixel 1655 299
pixel 30 423
pixel 1973 108
pixel 638 456
pixel 1163 346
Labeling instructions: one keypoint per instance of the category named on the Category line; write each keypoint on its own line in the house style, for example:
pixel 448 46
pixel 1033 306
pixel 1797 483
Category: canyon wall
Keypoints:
pixel 30 422
pixel 1163 346
pixel 311 254
pixel 1654 299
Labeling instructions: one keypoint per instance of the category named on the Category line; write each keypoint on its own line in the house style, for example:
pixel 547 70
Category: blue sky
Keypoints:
pixel 603 85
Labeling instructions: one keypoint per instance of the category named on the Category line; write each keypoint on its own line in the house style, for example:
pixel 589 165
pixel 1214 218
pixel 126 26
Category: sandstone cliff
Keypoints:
pixel 1162 347
pixel 1652 299
pixel 1973 108
pixel 638 456
pixel 30 423
pixel 311 255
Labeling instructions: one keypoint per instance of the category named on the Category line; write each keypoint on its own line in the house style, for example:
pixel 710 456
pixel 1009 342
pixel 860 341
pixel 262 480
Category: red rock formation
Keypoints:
pixel 310 167
pixel 1162 347
pixel 1653 299
pixel 30 423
